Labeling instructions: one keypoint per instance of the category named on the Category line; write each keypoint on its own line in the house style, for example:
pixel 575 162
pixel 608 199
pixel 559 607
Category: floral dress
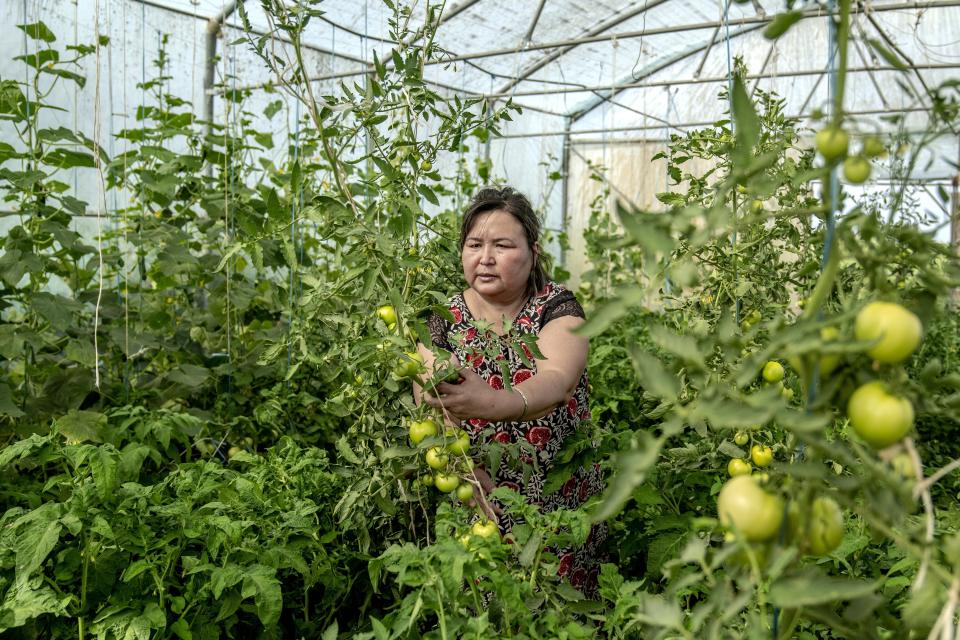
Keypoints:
pixel 472 347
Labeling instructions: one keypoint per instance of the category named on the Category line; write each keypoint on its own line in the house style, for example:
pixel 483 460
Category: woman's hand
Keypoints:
pixel 472 397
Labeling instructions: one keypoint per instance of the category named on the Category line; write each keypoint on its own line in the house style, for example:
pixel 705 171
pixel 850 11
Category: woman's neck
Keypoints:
pixel 496 312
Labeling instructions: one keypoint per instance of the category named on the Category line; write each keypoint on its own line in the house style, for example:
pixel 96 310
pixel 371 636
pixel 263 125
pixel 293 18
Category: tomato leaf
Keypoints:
pixel 632 469
pixel 813 589
pixel 261 583
pixel 343 448
pixel 781 24
pixel 747 129
pixel 38 31
pixel 892 59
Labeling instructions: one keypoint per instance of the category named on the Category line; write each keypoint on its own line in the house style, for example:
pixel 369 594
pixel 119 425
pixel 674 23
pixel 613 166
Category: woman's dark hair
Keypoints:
pixel 516 204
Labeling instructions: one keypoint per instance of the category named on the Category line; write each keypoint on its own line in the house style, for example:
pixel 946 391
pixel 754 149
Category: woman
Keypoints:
pixel 507 296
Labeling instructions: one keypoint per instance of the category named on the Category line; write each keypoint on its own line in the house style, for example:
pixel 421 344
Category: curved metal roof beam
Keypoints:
pixel 631 78
pixel 596 31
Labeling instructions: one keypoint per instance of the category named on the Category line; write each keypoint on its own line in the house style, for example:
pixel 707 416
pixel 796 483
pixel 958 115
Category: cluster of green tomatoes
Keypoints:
pixel 878 415
pixel 447 455
pixel 833 143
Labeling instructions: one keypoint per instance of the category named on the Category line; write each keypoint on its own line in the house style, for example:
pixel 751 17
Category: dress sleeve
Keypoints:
pixel 439 332
pixel 564 304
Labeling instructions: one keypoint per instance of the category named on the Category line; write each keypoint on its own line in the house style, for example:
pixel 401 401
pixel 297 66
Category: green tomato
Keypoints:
pixel 465 492
pixel 902 463
pixel 460 443
pixel 426 480
pixel 426 166
pixel 388 314
pixel 409 366
pixel 773 371
pixel 896 330
pixel 761 455
pixel 879 417
pixel 485 529
pixel 873 147
pixel 829 362
pixel 856 169
pixel 419 430
pixel 436 458
pixel 445 482
pixel 737 467
pixel 824 527
pixel 749 510
pixel 741 438
pixel 832 143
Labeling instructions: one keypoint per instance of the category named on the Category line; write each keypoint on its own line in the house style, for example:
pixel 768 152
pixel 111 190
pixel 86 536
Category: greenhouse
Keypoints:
pixel 480 319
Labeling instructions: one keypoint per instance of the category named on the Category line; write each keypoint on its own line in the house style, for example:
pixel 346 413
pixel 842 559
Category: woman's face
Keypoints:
pixel 496 257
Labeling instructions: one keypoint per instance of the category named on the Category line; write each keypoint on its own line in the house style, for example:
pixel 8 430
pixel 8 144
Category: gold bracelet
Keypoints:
pixel 525 405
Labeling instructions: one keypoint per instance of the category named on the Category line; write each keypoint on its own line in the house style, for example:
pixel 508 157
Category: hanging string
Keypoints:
pixel 666 177
pixel 294 201
pixel 834 179
pixel 102 198
pixel 733 130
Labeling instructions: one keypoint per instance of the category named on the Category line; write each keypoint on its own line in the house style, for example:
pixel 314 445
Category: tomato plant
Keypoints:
pixel 252 461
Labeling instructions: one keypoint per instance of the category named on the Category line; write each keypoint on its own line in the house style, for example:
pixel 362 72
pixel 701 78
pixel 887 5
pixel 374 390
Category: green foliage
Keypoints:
pixel 213 445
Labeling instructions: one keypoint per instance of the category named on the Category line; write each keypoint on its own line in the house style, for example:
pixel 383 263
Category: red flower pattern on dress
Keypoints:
pixel 584 490
pixel 496 382
pixel 572 407
pixel 539 436
pixel 524 321
pixel 569 487
pixel 527 351
pixel 455 312
pixel 475 360
pixel 522 375
pixel 566 561
pixel 502 437
pixel 470 334
pixel 578 577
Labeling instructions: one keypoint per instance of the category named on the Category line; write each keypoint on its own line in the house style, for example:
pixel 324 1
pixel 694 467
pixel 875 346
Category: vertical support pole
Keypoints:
pixel 565 191
pixel 214 32
pixel 955 223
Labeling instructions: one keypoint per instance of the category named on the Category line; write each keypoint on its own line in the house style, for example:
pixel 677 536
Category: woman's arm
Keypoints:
pixel 565 358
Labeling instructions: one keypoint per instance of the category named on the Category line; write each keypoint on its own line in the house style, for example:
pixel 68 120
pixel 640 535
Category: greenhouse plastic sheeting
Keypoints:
pixel 675 54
